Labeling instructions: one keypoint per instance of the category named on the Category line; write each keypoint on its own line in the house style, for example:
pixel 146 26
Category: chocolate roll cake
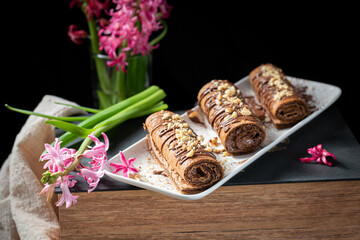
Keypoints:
pixel 180 152
pixel 283 104
pixel 231 118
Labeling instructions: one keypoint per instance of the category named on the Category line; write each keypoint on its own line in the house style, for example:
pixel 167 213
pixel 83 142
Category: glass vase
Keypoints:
pixel 112 86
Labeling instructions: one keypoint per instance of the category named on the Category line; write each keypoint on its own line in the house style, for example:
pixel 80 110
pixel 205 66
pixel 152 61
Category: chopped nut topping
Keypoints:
pixel 226 153
pixel 229 110
pixel 245 111
pixel 218 150
pixel 178 117
pixel 223 86
pixel 200 138
pixel 214 141
pixel 166 116
pixel 282 94
pixel 234 114
pixel 194 116
pixel 170 125
pixel 230 91
pixel 277 80
pixel 235 101
pixel 185 136
pixel 230 95
pixel 191 153
pixel 208 149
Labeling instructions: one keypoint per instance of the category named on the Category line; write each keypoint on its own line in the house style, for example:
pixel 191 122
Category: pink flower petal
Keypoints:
pixel 66 196
pixel 91 177
pixel 118 167
pixel 307 159
pixel 125 167
pixel 319 154
pixel 98 153
pixel 134 169
pixel 58 158
pixel 76 36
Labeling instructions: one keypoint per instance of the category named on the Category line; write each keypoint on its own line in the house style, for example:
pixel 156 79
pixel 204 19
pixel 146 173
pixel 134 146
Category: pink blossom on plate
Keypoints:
pixel 125 167
pixel 319 154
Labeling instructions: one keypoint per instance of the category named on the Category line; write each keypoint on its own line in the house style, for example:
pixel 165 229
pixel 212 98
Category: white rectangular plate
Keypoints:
pixel 323 95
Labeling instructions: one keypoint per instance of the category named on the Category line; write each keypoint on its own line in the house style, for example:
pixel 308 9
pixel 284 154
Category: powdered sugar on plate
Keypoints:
pixel 150 177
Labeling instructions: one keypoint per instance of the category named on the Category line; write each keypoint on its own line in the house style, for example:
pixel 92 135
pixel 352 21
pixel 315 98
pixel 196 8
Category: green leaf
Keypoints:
pixel 68 119
pixel 104 99
pixel 87 109
pixel 69 127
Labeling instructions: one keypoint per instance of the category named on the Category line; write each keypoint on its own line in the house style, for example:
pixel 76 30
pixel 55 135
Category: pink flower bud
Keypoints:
pixel 77 36
pixel 319 154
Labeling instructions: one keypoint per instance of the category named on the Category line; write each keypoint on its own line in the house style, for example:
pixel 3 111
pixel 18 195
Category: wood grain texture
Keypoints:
pixel 314 210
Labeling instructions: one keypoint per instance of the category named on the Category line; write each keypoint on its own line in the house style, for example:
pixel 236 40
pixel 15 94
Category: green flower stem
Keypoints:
pixel 101 68
pixel 139 106
pixel 69 127
pixel 120 84
pixel 105 100
pixel 68 137
pixel 84 132
pixel 136 73
pixel 143 106
pixel 162 34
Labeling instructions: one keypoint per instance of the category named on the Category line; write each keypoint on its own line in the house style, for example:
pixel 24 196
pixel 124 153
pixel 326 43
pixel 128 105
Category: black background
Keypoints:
pixel 205 40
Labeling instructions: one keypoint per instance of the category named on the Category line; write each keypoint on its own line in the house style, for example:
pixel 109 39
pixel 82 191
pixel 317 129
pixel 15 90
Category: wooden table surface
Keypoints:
pixel 311 210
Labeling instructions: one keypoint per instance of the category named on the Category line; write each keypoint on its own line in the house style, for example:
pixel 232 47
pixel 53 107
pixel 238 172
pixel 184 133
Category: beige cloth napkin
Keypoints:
pixel 24 214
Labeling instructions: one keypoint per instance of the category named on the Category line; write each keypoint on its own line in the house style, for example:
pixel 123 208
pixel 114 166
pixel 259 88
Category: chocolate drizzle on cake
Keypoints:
pixel 284 105
pixel 181 152
pixel 180 138
pixel 226 110
pixel 226 103
pixel 272 84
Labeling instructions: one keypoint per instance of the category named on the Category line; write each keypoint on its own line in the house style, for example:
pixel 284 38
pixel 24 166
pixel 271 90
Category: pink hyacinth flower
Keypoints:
pixel 95 7
pixel 66 196
pixel 75 3
pixel 77 36
pixel 319 154
pixel 123 37
pixel 125 167
pixel 92 177
pixel 98 152
pixel 48 189
pixel 58 158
